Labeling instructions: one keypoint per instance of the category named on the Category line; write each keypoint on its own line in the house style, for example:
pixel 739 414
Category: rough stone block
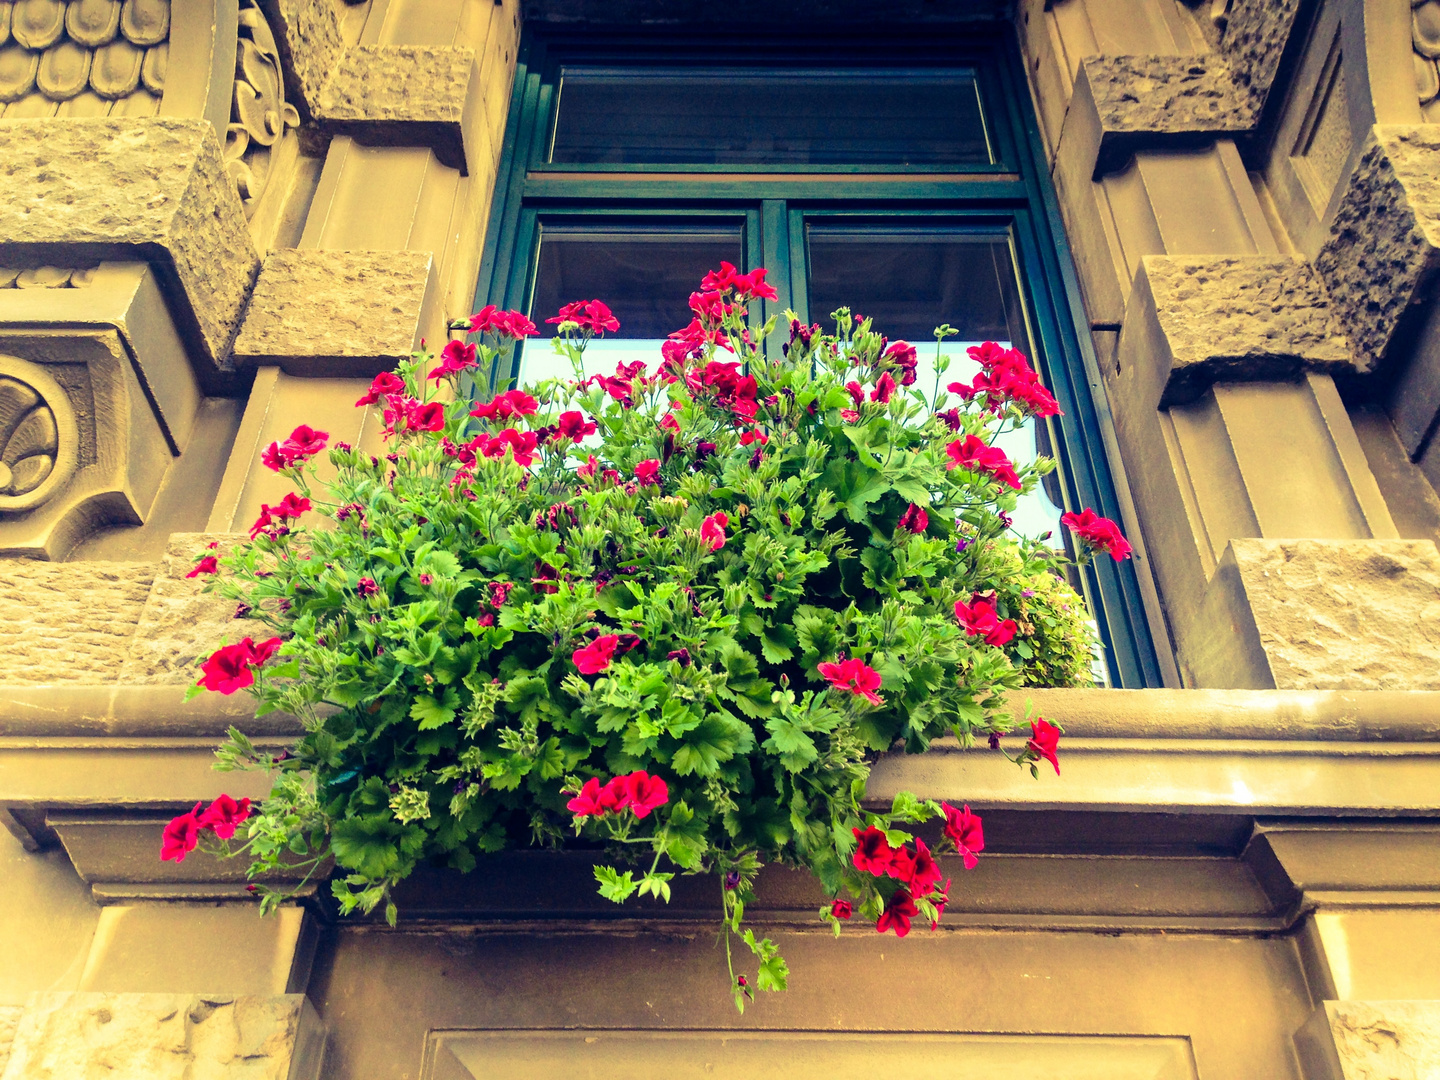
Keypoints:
pixel 1159 101
pixel 1384 246
pixel 1256 32
pixel 68 622
pixel 1240 319
pixel 1344 615
pixel 167 1037
pixel 339 313
pixel 179 621
pixel 121 187
pixel 1371 1040
pixel 405 95
pixel 307 34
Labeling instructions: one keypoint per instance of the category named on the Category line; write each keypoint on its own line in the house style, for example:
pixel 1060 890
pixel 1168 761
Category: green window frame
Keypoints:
pixel 1009 198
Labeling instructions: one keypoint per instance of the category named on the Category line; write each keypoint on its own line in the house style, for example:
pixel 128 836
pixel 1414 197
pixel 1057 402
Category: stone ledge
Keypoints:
pixel 337 313
pixel 1236 319
pixel 307 35
pixel 167 1037
pixel 405 95
pixel 156 188
pixel 1131 102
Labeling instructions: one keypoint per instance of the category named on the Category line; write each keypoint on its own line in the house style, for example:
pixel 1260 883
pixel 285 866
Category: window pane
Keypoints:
pixel 645 273
pixel 722 117
pixel 910 283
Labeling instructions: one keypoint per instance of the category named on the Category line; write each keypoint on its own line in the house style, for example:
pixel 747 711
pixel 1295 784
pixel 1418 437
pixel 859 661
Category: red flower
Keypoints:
pixel 454 358
pixel 599 318
pixel 224 815
pixel 914 520
pixel 841 909
pixel 291 506
pixel 902 865
pixel 366 586
pixel 973 454
pixel 1007 379
pixel 181 836
pixel 897 914
pixel 712 530
pixel 924 870
pixel 230 668
pixel 856 392
pixel 491 320
pixel 589 803
pixel 573 425
pixel 305 442
pixel 644 793
pixel 500 592
pixel 595 657
pixel 873 853
pixel 648 471
pixel 262 523
pixel 980 619
pixel 207 565
pixel 520 443
pixel 1098 533
pixel 273 458
pixel 511 403
pixel 1043 742
pixel 428 417
pixel 753 436
pixel 384 385
pixel 963 829
pixel 884 388
pixel 753 285
pixel 902 354
pixel 855 676
pixel 850 416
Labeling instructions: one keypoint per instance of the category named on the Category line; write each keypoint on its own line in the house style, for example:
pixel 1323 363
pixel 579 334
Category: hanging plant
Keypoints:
pixel 673 614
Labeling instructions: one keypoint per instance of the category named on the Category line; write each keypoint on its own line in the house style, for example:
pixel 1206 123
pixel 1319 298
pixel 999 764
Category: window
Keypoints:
pixel 911 193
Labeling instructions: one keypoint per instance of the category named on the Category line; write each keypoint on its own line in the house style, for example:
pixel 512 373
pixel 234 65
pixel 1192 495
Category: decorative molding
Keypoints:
pixel 83 57
pixel 39 436
pixel 1425 40
pixel 260 116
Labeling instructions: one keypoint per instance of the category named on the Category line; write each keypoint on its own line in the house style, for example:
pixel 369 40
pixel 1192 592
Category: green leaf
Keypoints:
pixel 432 712
pixel 790 744
pixel 615 885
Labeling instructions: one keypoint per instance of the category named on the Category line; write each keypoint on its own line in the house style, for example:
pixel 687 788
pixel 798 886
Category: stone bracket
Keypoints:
pixel 1231 318
pixel 338 313
pixel 406 95
pixel 307 36
pixel 1123 103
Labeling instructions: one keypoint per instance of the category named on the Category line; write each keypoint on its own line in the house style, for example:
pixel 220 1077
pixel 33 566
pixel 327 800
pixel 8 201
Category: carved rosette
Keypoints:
pixel 39 437
pixel 1425 37
pixel 259 114
pixel 82 57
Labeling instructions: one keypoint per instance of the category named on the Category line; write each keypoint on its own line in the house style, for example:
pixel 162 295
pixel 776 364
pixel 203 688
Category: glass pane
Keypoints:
pixel 645 273
pixel 911 282
pixel 740 117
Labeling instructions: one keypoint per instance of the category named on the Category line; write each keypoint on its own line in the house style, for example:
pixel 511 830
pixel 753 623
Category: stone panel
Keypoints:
pixel 68 622
pixel 110 187
pixel 1372 1040
pixel 405 95
pixel 307 33
pixel 1148 100
pixel 1384 245
pixel 166 1037
pixel 1239 318
pixel 180 621
pixel 337 313
pixel 1256 32
pixel 1331 615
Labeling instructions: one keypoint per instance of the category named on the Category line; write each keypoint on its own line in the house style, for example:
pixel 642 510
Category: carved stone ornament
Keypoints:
pixel 39 438
pixel 1425 38
pixel 82 57
pixel 259 114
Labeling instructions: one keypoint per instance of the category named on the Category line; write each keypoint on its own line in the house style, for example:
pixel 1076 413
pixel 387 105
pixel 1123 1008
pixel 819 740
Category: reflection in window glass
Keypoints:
pixel 912 282
pixel 720 117
pixel 645 274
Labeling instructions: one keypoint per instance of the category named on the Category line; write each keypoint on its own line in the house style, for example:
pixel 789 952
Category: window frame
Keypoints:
pixel 1012 195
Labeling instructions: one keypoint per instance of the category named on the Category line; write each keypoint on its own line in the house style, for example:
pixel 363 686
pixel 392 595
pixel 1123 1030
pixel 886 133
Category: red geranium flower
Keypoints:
pixel 1098 533
pixel 454 358
pixel 207 565
pixel 924 870
pixel 573 425
pixel 291 506
pixel 1043 741
pixel 590 803
pixel 753 436
pixel 644 793
pixel 181 836
pixel 897 914
pixel 963 829
pixel 841 909
pixel 384 385
pixel 873 853
pixel 510 403
pixel 972 453
pixel 648 471
pixel 884 389
pixel 305 442
pixel 224 815
pixel 980 619
pixel 428 417
pixel 914 520
pixel 712 530
pixel 491 319
pixel 595 657
pixel 855 676
pixel 231 667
